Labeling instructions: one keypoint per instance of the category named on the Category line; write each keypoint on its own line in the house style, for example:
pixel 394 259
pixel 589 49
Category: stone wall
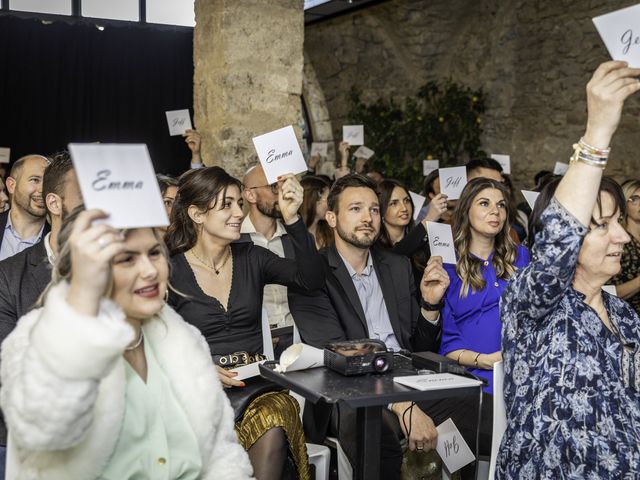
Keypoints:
pixel 531 57
pixel 248 59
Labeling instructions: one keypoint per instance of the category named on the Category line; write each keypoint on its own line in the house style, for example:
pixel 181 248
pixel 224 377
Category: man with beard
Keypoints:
pixel 263 226
pixel 24 276
pixel 370 292
pixel 24 224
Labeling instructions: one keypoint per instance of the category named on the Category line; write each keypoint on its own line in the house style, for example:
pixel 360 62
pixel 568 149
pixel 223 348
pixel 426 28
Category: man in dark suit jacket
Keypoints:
pixel 370 292
pixel 24 224
pixel 24 276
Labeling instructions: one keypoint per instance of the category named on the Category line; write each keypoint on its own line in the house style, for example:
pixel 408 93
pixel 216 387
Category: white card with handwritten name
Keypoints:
pixel 179 121
pixel 620 32
pixel 452 448
pixel 363 152
pixel 610 289
pixel 353 134
pixel 418 202
pixel 119 179
pixel 5 154
pixel 429 166
pixel 504 161
pixel 530 197
pixel 560 168
pixel 441 241
pixel 319 148
pixel 452 181
pixel 279 153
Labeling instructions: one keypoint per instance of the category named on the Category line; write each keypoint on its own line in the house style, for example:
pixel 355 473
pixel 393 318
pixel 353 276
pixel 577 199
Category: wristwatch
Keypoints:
pixel 430 307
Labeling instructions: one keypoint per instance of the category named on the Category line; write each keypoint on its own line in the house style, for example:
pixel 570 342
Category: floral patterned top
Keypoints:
pixel 630 269
pixel 571 385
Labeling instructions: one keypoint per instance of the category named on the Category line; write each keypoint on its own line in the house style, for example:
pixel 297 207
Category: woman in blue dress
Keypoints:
pixel 571 351
pixel 487 258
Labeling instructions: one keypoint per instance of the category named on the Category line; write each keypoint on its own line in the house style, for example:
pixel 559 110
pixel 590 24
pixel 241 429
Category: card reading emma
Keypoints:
pixel 119 179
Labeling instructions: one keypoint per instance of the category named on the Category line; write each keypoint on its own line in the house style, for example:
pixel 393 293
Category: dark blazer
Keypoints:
pixel 335 312
pixel 23 277
pixel 287 246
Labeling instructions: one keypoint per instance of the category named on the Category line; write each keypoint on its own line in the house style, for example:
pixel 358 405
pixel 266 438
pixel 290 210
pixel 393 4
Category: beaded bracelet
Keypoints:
pixel 589 155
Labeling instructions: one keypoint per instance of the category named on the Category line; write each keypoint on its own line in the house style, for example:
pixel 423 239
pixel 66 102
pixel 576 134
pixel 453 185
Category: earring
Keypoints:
pixel 166 295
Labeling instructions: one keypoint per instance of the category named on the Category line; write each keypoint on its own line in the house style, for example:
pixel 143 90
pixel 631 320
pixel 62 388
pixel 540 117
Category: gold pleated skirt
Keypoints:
pixel 273 410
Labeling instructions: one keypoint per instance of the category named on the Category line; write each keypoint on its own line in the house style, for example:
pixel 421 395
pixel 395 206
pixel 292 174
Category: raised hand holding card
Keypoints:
pixel 353 134
pixel 119 179
pixel 452 181
pixel 179 121
pixel 279 153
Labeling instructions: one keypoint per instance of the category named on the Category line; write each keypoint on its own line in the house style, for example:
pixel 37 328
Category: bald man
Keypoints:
pixel 24 224
pixel 263 226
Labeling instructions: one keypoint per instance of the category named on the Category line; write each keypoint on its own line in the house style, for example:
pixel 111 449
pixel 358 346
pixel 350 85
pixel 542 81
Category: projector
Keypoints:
pixel 357 357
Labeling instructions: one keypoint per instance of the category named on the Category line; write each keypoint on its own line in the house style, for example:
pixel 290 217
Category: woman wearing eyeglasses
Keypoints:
pixel 628 280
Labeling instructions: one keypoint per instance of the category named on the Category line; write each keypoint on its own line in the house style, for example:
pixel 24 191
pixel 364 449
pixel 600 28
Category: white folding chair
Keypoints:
pixel 499 415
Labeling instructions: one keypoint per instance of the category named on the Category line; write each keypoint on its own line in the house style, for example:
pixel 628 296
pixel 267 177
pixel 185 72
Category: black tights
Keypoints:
pixel 269 454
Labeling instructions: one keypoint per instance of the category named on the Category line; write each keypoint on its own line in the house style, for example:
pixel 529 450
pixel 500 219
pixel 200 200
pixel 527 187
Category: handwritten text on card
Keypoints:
pixel 279 153
pixel 452 181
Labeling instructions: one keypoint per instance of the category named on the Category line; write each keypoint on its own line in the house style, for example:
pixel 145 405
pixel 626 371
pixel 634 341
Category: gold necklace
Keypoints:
pixel 213 266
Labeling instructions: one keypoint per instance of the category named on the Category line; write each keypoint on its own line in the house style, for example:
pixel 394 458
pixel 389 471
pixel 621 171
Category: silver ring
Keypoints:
pixel 102 242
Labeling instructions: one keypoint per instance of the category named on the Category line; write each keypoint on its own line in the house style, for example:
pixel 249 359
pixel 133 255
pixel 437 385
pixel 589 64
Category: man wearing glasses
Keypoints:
pixel 263 226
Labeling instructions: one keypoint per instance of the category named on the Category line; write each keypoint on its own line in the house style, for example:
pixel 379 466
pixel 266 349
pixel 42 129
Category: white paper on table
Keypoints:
pixel 436 381
pixel 620 32
pixel 319 148
pixel 300 356
pixel 5 155
pixel 363 152
pixel 560 168
pixel 418 202
pixel 119 179
pixel 452 181
pixel 452 448
pixel 279 153
pixel 610 289
pixel 429 166
pixel 353 134
pixel 248 371
pixel 530 197
pixel 179 121
pixel 441 241
pixel 504 161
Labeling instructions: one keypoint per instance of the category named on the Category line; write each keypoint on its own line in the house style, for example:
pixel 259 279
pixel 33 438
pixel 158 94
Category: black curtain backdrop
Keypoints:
pixel 70 82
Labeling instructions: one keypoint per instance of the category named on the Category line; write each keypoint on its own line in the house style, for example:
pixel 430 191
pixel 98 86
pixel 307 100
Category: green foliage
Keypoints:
pixel 443 121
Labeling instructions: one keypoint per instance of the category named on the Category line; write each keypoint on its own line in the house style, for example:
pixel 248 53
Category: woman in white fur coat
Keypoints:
pixel 105 381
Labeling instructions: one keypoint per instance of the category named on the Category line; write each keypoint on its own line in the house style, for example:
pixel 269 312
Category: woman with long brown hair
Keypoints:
pixel 314 207
pixel 221 288
pixel 399 231
pixel 487 257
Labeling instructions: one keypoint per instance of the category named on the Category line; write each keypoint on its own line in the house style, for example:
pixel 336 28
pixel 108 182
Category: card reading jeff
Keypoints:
pixel 452 181
pixel 119 179
pixel 279 153
pixel 620 32
pixel 179 121
pixel 353 134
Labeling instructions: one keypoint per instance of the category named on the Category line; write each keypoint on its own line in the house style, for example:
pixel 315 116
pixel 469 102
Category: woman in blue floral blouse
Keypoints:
pixel 571 351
